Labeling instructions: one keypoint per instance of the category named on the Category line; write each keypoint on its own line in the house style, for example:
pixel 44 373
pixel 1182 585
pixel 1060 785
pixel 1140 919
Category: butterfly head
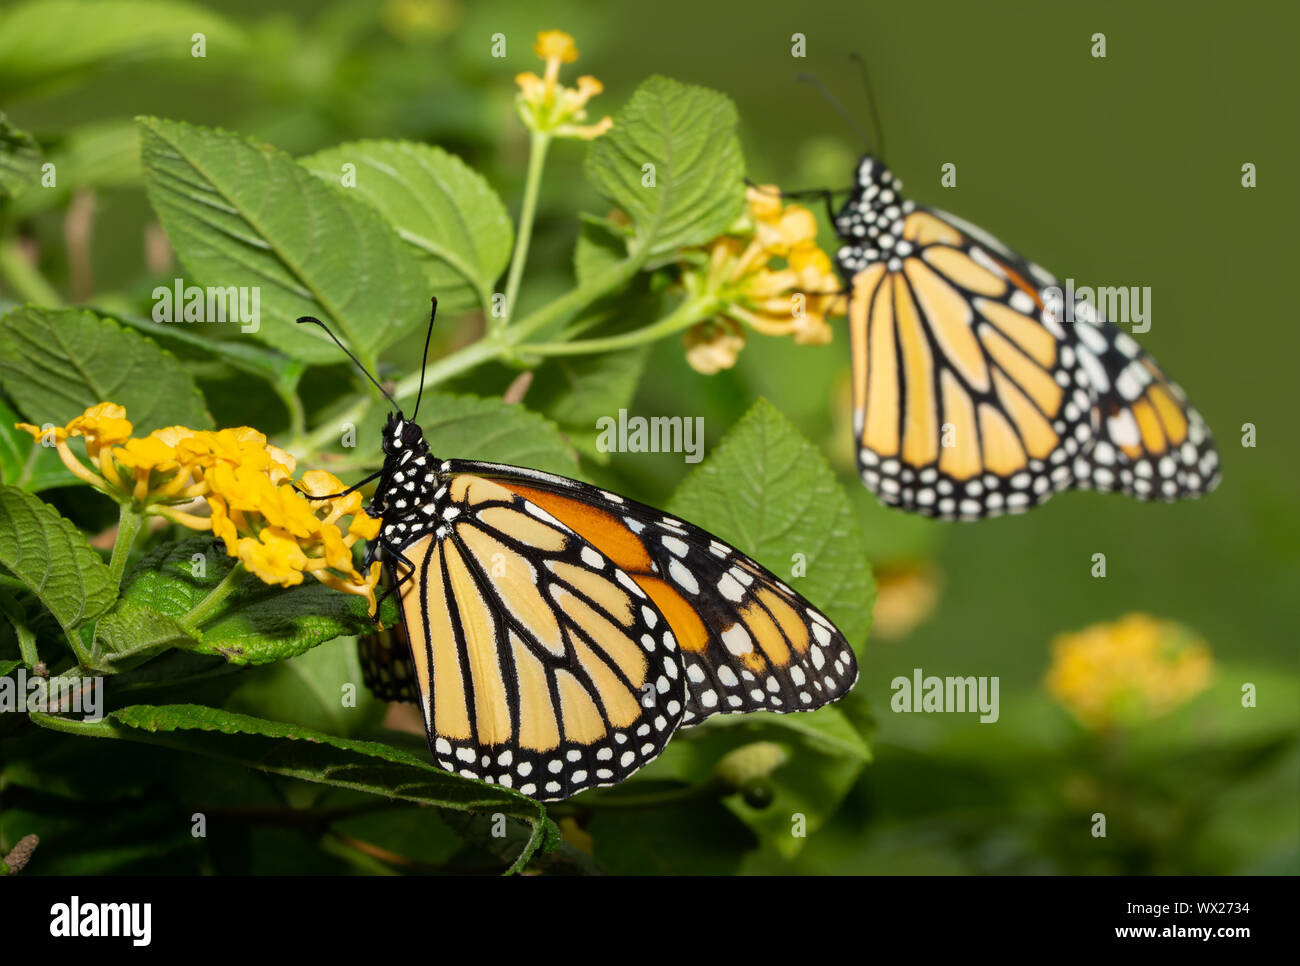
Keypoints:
pixel 403 436
pixel 874 202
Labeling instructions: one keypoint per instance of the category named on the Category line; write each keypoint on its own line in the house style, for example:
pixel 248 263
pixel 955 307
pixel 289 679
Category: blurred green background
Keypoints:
pixel 1121 171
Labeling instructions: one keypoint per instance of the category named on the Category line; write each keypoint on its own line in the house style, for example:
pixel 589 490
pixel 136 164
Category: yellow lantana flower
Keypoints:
pixel 548 107
pixel 768 274
pixel 1128 671
pixel 244 483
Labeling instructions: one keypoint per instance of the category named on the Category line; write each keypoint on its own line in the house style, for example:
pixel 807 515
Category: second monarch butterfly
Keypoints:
pixel 559 633
pixel 976 390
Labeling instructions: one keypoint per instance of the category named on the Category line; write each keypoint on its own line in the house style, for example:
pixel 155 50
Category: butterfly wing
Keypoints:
pixel 540 665
pixel 747 642
pixel 386 667
pixel 1149 442
pixel 973 398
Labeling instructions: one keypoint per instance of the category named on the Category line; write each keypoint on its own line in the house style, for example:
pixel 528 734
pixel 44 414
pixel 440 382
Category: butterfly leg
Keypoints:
pixel 351 489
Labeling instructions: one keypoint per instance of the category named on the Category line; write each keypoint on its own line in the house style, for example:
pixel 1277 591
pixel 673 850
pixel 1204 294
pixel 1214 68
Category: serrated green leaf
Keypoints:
pixel 51 557
pixel 688 134
pixel 44 40
pixel 442 208
pixel 598 248
pixel 139 631
pixel 312 756
pixel 55 363
pixel 20 159
pixel 257 623
pixel 771 493
pixel 240 213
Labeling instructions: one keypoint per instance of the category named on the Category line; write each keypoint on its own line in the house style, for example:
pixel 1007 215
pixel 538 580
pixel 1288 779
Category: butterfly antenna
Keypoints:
pixel 871 104
pixel 424 363
pixel 365 372
pixel 834 102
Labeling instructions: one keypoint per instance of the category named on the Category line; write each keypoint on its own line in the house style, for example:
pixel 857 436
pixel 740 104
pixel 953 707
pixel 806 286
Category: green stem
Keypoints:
pixel 208 605
pixel 288 393
pixel 309 445
pixel 24 277
pixel 690 311
pixel 575 300
pixel 129 522
pixel 532 184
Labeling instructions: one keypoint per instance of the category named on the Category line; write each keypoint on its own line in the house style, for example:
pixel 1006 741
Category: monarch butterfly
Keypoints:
pixel 973 394
pixel 559 634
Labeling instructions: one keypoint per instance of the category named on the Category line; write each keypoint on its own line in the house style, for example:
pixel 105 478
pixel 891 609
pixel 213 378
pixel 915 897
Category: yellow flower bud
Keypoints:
pixel 556 45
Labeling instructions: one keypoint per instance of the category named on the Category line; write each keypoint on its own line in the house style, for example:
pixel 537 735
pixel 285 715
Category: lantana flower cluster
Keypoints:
pixel 547 106
pixel 244 483
pixel 770 276
pixel 1129 671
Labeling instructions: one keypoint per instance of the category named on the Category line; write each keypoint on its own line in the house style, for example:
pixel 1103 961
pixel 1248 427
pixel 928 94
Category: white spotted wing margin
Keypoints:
pixel 747 641
pixel 541 666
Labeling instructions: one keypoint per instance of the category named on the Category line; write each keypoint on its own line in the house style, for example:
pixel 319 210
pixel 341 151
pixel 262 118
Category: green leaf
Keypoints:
pixel 470 427
pixel 576 391
pixel 688 134
pixel 598 249
pixel 51 557
pixel 313 756
pixel 308 690
pixel 55 363
pixel 44 40
pixel 136 632
pixel 824 755
pixel 442 208
pixel 257 623
pixel 101 154
pixel 24 462
pixel 20 159
pixel 770 492
pixel 240 213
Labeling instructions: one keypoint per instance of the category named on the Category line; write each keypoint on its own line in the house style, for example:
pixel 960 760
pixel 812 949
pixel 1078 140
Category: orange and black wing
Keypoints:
pixel 540 665
pixel 747 642
pixel 385 658
pixel 972 396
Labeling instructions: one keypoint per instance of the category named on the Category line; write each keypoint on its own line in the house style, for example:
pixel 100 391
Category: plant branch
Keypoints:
pixel 129 522
pixel 538 146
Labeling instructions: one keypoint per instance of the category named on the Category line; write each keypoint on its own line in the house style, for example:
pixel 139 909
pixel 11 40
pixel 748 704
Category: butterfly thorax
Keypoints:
pixel 870 222
pixel 406 495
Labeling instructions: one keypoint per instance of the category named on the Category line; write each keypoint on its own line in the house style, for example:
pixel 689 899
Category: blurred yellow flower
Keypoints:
pixel 713 345
pixel 766 273
pixel 247 485
pixel 1128 671
pixel 905 597
pixel 548 107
